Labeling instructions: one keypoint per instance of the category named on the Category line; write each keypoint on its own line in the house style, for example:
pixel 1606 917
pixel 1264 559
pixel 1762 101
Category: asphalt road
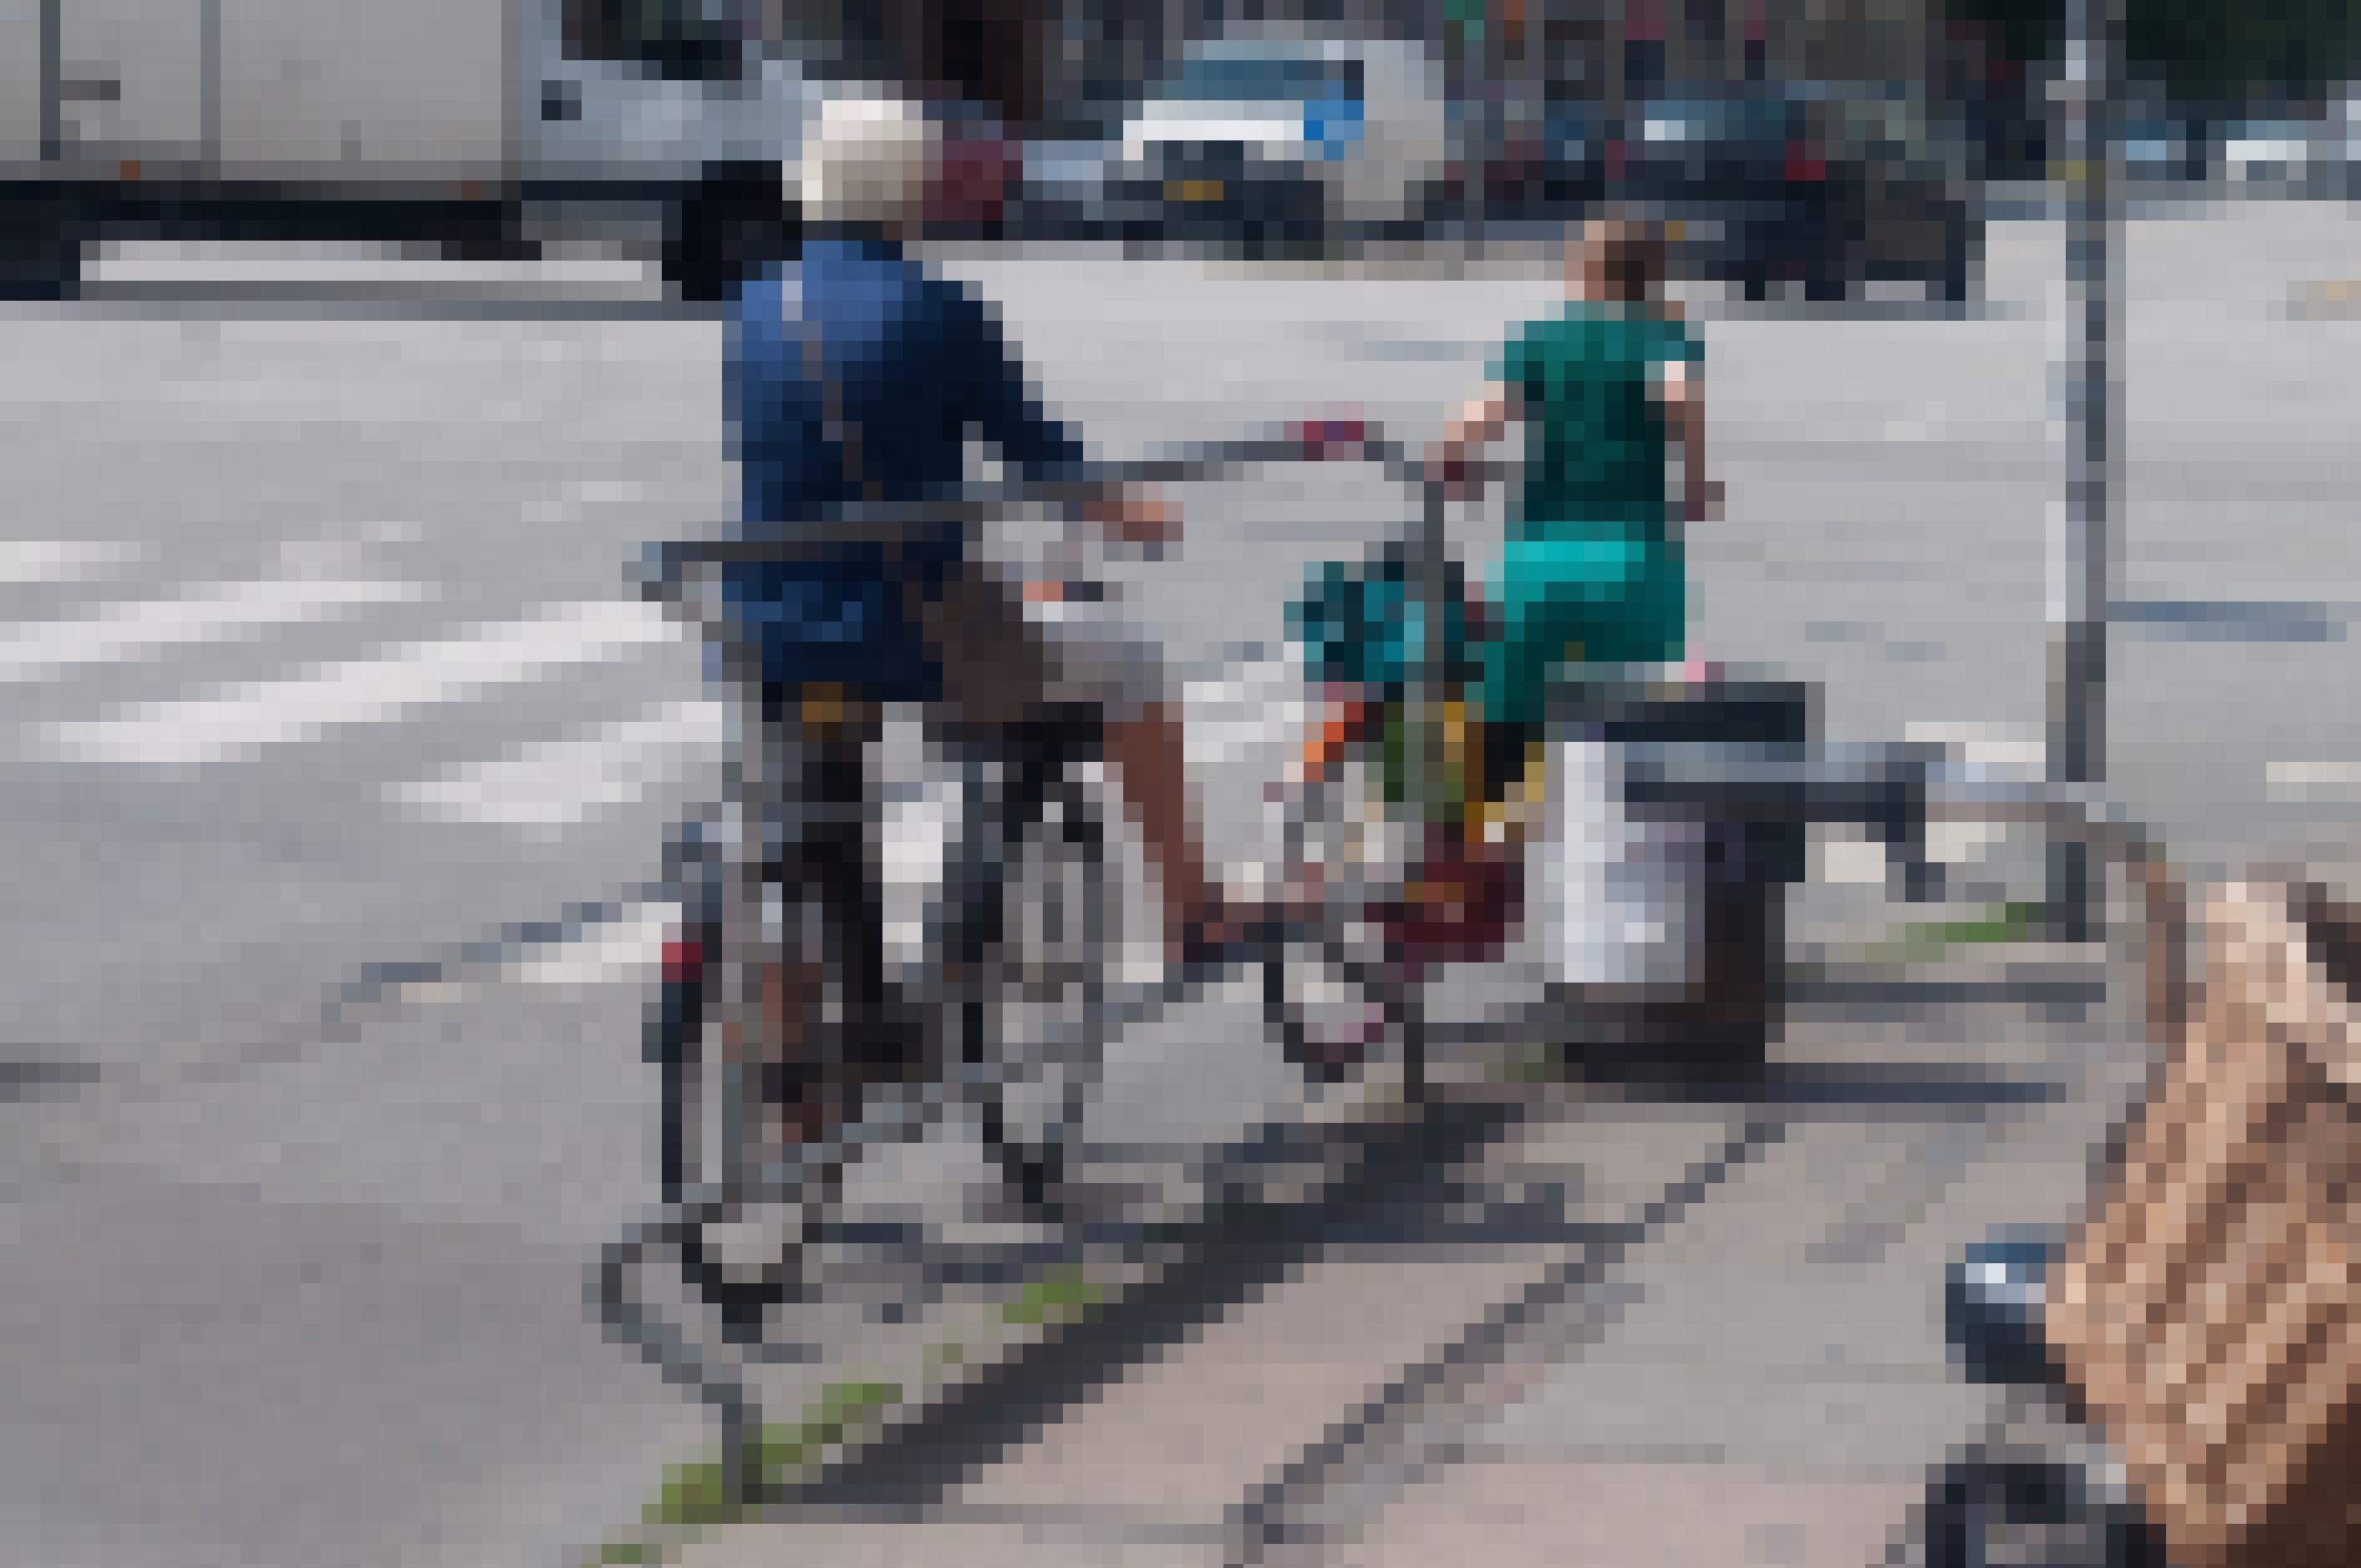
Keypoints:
pixel 317 660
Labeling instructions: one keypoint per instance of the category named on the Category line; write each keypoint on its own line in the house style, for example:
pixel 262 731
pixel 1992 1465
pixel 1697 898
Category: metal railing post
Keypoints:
pixel 745 1039
pixel 1427 767
pixel 2082 528
pixel 51 46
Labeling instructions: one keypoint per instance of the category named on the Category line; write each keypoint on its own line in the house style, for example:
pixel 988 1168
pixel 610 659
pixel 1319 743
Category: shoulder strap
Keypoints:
pixel 843 433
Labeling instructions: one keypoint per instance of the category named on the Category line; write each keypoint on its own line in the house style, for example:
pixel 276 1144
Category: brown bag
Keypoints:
pixel 2206 1309
pixel 995 663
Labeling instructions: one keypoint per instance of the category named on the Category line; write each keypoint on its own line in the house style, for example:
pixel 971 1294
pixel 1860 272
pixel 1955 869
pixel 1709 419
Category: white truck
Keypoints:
pixel 479 126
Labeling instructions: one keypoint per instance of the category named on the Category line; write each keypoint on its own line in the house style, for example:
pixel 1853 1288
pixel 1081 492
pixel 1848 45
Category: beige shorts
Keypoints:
pixel 1003 657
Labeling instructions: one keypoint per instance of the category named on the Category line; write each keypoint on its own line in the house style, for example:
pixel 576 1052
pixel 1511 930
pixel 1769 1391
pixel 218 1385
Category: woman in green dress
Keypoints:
pixel 1591 570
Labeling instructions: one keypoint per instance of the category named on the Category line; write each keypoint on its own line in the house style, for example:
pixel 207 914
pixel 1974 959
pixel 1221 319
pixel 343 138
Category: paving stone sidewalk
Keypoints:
pixel 1634 1329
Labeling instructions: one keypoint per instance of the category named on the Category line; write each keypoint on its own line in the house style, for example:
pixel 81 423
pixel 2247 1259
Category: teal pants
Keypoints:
pixel 1588 600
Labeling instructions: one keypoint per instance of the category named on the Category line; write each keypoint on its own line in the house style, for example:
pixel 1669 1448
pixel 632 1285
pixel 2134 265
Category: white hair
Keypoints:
pixel 869 159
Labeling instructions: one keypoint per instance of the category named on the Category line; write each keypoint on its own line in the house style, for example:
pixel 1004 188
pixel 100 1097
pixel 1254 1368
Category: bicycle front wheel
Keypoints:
pixel 1328 992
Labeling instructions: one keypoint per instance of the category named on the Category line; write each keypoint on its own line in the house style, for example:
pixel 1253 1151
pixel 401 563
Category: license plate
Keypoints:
pixel 1192 190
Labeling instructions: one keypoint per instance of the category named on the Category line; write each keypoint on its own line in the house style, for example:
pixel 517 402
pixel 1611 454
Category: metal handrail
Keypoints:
pixel 1911 785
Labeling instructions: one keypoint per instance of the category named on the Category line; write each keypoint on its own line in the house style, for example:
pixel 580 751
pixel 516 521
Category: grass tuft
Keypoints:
pixel 1998 925
pixel 695 1497
pixel 1056 1296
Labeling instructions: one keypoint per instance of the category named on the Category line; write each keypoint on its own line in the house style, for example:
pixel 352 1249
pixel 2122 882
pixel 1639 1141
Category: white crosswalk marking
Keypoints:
pixel 393 684
pixel 33 562
pixel 171 682
pixel 213 613
pixel 627 950
pixel 565 782
pixel 2299 781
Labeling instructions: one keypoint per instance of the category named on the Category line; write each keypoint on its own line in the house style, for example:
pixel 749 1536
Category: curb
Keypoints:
pixel 1137 1287
pixel 2027 973
pixel 1193 1270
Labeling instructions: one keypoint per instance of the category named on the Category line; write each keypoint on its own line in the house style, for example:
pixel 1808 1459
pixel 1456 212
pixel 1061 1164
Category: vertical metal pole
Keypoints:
pixel 741 947
pixel 1430 589
pixel 2082 530
pixel 209 85
pixel 745 1041
pixel 52 47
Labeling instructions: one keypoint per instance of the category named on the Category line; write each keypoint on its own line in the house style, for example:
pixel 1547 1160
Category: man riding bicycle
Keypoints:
pixel 854 378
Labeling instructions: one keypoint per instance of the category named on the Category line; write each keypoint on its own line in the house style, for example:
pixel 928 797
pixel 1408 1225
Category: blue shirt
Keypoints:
pixel 919 364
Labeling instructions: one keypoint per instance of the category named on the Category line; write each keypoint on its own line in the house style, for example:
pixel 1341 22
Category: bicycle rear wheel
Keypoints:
pixel 741 1247
pixel 1048 984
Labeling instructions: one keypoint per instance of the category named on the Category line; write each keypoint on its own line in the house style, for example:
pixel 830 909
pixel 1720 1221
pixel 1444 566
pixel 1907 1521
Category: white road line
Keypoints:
pixel 2310 781
pixel 214 612
pixel 247 718
pixel 627 950
pixel 31 562
pixel 568 503
pixel 565 782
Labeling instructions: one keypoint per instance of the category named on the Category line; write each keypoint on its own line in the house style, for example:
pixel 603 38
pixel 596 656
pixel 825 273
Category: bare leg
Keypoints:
pixel 1151 770
pixel 798 1105
pixel 791 996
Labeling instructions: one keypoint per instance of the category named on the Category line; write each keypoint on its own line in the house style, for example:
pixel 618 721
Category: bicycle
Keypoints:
pixel 1032 829
pixel 1016 1035
pixel 1384 897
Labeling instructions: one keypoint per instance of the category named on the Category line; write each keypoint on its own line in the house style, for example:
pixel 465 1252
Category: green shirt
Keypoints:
pixel 1595 443
pixel 1590 570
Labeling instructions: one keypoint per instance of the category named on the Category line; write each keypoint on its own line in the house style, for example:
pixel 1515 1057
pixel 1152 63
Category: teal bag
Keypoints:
pixel 1358 622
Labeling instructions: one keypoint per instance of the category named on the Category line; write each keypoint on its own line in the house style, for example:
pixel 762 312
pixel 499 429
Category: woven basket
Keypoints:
pixel 2206 1310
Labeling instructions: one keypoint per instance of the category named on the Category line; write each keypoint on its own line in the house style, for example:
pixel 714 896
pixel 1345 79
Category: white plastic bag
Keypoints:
pixel 1623 900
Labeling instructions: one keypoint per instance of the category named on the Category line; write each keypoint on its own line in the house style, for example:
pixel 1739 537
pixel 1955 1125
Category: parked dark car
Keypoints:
pixel 2163 150
pixel 1829 190
pixel 1549 168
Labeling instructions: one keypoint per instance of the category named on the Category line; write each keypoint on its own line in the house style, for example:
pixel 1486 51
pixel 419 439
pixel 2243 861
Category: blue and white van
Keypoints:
pixel 1266 125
